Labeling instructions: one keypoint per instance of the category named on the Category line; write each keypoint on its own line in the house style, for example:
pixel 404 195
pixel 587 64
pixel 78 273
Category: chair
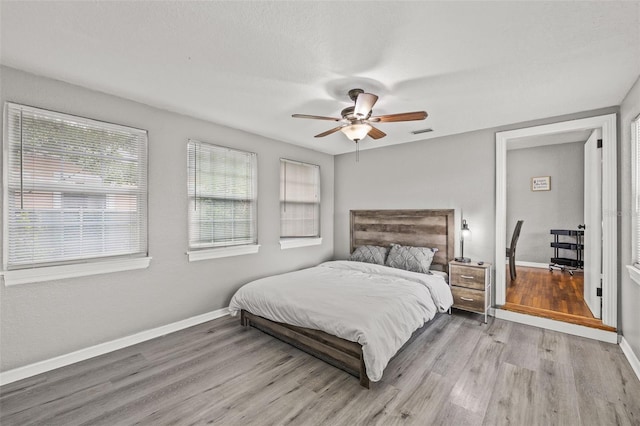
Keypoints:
pixel 511 251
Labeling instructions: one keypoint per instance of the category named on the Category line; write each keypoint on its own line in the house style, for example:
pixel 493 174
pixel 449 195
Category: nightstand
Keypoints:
pixel 471 286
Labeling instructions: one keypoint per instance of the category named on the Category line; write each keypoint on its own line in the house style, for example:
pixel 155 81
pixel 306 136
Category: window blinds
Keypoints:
pixel 222 196
pixel 299 199
pixel 635 135
pixel 75 189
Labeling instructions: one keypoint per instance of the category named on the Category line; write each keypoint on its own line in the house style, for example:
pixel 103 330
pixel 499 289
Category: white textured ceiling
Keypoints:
pixel 250 65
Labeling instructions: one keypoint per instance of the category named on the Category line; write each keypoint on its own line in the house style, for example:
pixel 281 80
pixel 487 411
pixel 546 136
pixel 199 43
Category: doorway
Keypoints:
pixel 605 129
pixel 550 182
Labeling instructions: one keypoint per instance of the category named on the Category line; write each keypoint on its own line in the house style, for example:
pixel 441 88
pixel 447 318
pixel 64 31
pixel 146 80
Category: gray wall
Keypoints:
pixel 629 290
pixel 560 208
pixel 455 171
pixel 43 320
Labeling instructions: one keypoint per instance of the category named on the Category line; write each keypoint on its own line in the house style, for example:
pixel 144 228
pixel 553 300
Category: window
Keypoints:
pixel 299 201
pixel 635 141
pixel 222 200
pixel 75 192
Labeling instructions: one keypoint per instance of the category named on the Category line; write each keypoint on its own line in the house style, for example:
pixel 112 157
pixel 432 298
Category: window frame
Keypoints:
pixel 290 242
pixel 75 267
pixel 216 251
pixel 634 268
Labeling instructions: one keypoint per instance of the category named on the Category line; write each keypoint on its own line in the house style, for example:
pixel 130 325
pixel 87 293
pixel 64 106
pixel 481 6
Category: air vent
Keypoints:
pixel 417 132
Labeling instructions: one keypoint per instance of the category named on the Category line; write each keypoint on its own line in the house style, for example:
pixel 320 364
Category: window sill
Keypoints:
pixel 634 273
pixel 216 253
pixel 52 273
pixel 290 243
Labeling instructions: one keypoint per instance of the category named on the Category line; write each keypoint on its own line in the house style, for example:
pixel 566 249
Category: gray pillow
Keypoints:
pixel 415 259
pixel 370 254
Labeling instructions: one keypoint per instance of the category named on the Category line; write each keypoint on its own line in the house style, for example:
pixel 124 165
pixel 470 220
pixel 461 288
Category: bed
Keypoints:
pixel 355 315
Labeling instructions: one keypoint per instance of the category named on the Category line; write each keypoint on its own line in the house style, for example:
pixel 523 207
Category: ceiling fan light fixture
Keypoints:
pixel 357 131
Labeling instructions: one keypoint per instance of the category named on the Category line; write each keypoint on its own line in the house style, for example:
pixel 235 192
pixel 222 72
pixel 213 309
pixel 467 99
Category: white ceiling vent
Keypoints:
pixel 417 132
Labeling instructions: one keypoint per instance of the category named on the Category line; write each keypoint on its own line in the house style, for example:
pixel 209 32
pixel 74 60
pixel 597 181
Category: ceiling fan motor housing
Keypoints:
pixel 348 114
pixel 353 94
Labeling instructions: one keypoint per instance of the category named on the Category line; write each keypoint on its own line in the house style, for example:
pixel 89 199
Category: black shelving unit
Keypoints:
pixel 571 241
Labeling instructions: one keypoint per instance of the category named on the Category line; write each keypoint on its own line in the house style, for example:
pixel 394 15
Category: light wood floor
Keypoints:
pixel 458 371
pixel 556 295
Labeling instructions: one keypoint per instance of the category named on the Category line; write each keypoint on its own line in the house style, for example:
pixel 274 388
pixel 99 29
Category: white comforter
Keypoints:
pixel 376 306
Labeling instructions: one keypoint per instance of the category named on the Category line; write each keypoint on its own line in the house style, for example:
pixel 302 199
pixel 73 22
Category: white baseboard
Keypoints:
pixel 532 264
pixel 631 356
pixel 563 327
pixel 40 367
pixel 529 264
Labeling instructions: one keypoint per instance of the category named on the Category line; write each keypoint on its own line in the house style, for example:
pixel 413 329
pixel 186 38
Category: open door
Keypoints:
pixel 593 223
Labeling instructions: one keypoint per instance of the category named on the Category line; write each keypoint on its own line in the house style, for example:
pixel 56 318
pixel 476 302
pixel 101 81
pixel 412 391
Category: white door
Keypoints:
pixel 593 223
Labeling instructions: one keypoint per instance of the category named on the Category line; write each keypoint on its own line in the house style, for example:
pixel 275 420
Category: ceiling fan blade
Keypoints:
pixel 316 117
pixel 404 116
pixel 376 133
pixel 328 132
pixel 364 104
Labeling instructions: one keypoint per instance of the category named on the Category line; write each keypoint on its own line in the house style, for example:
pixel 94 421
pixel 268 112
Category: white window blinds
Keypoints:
pixel 222 196
pixel 299 199
pixel 635 137
pixel 75 189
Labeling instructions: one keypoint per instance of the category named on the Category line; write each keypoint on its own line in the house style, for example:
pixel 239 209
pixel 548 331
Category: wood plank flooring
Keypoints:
pixel 556 295
pixel 456 371
pixel 554 291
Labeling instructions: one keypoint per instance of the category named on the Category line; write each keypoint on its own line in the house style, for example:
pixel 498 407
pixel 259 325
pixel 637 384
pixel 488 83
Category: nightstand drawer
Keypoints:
pixel 466 276
pixel 465 298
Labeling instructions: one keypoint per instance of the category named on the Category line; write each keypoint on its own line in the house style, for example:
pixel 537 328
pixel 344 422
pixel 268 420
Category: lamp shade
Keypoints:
pixel 466 232
pixel 356 132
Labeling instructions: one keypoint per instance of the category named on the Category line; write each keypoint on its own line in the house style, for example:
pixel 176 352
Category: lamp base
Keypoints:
pixel 462 259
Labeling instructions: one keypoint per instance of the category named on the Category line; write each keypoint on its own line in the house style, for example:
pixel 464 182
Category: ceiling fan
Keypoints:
pixel 357 120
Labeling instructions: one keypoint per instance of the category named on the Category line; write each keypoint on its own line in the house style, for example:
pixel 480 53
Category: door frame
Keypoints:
pixel 592 254
pixel 607 123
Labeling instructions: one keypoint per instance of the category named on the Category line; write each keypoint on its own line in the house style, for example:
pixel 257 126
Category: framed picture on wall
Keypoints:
pixel 541 183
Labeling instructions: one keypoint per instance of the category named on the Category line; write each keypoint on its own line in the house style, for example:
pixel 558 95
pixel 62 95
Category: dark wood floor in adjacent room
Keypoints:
pixel 457 371
pixel 556 295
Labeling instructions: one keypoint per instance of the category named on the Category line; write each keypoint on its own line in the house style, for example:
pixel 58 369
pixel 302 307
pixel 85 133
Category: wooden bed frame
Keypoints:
pixel 419 228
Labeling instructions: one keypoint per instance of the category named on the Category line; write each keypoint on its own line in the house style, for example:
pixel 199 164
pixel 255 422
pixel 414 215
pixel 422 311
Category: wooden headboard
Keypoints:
pixel 419 228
